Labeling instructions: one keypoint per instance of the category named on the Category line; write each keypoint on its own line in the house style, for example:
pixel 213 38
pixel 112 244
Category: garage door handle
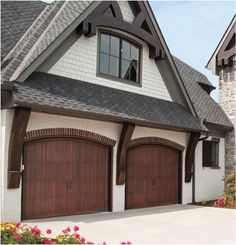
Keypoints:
pixel 154 181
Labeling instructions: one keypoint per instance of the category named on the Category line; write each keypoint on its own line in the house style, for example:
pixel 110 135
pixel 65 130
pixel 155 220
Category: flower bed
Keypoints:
pixel 17 233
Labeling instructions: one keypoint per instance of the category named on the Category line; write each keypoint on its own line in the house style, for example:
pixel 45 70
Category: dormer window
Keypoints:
pixel 119 58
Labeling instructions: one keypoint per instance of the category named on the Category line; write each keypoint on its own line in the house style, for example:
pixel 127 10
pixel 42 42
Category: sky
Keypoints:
pixel 193 29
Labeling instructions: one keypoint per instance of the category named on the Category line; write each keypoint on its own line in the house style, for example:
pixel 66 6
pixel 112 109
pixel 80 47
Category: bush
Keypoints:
pixel 228 199
pixel 230 188
pixel 17 233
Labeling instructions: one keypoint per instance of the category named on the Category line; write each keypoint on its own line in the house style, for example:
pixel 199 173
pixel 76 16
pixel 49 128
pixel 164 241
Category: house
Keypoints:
pixel 223 64
pixel 97 115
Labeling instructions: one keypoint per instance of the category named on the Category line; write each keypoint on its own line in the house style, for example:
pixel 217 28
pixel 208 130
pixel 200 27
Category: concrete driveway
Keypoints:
pixel 182 224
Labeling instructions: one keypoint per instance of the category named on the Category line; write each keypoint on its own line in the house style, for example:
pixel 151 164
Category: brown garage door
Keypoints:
pixel 64 176
pixel 152 176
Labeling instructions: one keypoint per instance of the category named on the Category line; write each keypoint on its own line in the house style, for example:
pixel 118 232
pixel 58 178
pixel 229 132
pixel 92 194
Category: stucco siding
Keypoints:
pixel 10 198
pixel 80 62
pixel 209 182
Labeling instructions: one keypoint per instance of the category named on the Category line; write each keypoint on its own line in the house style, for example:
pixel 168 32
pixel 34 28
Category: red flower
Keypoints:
pixel 17 224
pixel 35 231
pixel 76 228
pixel 11 231
pixel 77 236
pixel 123 243
pixel 129 243
pixel 46 241
pixel 67 230
pixel 82 239
pixel 49 231
pixel 17 238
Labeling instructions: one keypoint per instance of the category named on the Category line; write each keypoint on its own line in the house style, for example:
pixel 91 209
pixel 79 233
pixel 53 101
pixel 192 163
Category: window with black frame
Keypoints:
pixel 210 154
pixel 119 58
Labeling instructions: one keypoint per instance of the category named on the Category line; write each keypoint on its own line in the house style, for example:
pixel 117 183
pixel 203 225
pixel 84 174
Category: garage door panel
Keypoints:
pixel 64 176
pixel 152 176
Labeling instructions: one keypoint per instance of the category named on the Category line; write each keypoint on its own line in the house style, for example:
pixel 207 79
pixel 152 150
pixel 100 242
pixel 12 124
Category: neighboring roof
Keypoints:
pixel 211 64
pixel 206 107
pixel 11 30
pixel 55 19
pixel 47 92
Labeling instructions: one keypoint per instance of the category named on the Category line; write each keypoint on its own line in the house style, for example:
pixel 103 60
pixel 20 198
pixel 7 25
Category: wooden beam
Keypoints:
pixel 189 158
pixel 125 138
pixel 19 125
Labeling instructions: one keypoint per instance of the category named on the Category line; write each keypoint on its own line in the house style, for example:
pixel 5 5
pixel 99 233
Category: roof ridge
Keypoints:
pixel 9 55
pixel 30 38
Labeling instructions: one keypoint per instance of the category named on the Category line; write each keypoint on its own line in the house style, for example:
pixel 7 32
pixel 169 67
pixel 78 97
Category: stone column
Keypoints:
pixel 227 99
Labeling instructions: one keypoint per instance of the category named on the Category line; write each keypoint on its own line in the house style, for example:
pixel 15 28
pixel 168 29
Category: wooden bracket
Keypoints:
pixel 189 158
pixel 227 50
pixel 19 125
pixel 142 26
pixel 125 138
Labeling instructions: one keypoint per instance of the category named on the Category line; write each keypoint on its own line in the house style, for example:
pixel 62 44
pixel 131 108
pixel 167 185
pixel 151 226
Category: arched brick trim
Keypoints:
pixel 155 141
pixel 68 132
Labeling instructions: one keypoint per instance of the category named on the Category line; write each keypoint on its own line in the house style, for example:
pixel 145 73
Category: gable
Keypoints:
pixel 82 16
pixel 77 61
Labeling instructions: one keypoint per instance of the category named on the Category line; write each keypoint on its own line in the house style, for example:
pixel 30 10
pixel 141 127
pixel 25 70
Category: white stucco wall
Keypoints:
pixel 208 181
pixel 10 198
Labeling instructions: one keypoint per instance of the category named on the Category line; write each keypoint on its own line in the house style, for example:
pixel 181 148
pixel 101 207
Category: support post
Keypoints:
pixel 189 158
pixel 19 125
pixel 125 138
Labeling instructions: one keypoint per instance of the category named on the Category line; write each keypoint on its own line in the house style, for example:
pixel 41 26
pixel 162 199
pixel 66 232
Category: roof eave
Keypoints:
pixel 102 117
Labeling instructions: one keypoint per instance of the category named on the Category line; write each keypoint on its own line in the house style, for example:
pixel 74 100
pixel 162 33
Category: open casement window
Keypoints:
pixel 210 153
pixel 119 58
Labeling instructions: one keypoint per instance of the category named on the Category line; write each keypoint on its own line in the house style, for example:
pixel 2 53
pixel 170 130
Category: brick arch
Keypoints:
pixel 68 132
pixel 155 141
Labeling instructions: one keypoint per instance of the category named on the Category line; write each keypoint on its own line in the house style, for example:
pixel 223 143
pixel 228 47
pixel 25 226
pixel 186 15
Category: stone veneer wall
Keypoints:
pixel 227 100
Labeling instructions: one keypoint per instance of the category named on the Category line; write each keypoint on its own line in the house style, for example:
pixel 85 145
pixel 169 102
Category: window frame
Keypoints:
pixel 212 165
pixel 125 38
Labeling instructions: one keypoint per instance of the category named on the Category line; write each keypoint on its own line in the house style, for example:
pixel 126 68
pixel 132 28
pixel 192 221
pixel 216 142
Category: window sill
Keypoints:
pixel 111 78
pixel 211 167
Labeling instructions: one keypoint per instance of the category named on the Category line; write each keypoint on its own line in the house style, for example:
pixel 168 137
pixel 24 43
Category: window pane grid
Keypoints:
pixel 119 58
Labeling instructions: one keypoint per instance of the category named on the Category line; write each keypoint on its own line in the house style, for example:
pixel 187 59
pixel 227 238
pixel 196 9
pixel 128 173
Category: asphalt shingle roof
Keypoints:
pixel 47 91
pixel 205 106
pixel 56 17
pixel 16 18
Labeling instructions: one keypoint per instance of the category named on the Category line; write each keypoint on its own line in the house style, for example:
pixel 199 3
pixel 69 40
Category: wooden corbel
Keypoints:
pixel 19 125
pixel 189 158
pixel 125 138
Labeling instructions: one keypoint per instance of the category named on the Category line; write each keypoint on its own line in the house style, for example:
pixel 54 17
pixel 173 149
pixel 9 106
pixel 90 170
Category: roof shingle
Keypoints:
pixel 47 91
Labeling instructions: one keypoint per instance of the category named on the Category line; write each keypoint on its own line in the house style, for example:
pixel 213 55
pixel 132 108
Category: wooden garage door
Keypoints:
pixel 64 176
pixel 152 176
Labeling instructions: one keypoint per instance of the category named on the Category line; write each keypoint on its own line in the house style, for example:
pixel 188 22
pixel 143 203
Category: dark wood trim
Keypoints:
pixel 118 78
pixel 126 134
pixel 223 56
pixel 96 19
pixel 68 132
pixel 19 125
pixel 180 173
pixel 155 141
pixel 189 158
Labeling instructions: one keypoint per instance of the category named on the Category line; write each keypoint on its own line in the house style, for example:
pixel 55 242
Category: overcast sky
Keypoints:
pixel 192 30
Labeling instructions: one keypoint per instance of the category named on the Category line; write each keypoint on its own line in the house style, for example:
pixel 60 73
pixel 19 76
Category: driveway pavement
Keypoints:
pixel 182 224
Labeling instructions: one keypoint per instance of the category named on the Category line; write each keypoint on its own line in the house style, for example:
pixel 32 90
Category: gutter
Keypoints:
pixel 194 178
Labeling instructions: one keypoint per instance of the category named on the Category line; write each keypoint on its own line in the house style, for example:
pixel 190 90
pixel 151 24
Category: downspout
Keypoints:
pixel 193 180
